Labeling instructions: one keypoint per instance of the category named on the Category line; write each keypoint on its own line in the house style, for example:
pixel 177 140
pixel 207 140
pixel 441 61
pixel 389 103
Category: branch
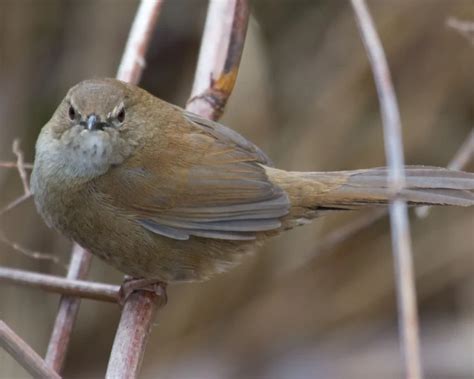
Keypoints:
pixel 219 57
pixel 401 243
pixel 67 313
pixel 132 335
pixel 68 310
pixel 65 286
pixel 24 354
pixel 6 164
pixel 15 203
pixel 133 59
pixel 21 166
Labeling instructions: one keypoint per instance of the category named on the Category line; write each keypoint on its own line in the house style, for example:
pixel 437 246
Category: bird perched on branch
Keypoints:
pixel 164 194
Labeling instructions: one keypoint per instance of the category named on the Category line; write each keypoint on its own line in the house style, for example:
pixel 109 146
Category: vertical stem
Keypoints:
pixel 219 57
pixel 132 335
pixel 133 59
pixel 68 310
pixel 401 242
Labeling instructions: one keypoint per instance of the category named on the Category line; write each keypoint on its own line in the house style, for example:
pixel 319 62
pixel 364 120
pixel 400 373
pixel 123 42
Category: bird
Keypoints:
pixel 161 193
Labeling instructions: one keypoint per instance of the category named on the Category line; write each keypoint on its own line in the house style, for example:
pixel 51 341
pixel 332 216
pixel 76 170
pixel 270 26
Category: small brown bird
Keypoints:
pixel 164 194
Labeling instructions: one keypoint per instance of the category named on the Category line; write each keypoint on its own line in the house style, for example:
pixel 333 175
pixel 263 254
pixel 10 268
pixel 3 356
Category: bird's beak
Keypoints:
pixel 92 122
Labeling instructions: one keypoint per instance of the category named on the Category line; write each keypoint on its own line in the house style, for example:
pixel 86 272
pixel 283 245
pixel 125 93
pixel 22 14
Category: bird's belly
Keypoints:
pixel 123 243
pixel 146 255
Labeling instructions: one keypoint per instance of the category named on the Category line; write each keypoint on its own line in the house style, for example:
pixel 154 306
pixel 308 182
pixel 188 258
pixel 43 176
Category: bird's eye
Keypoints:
pixel 121 115
pixel 72 113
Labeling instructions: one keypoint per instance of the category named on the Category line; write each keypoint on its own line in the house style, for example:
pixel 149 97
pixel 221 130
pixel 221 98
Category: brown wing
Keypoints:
pixel 216 188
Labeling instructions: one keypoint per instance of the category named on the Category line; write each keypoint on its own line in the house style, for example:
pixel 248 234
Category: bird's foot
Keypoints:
pixel 131 285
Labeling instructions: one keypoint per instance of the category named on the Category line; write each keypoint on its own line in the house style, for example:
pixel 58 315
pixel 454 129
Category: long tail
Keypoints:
pixel 317 191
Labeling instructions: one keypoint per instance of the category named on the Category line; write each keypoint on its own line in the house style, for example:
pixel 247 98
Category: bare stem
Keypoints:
pixel 19 200
pixel 132 335
pixel 24 354
pixel 219 57
pixel 20 166
pixel 68 310
pixel 464 154
pixel 67 313
pixel 133 59
pixel 57 284
pixel 5 164
pixel 401 242
pixel 30 253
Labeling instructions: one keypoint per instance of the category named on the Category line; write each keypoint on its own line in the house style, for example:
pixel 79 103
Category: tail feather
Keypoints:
pixel 363 188
pixel 424 186
pixel 417 177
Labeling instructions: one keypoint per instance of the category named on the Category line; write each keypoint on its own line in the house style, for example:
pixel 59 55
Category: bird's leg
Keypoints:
pixel 131 285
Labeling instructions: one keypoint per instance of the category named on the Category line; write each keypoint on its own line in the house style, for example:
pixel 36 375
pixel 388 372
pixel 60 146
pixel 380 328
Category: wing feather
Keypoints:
pixel 216 188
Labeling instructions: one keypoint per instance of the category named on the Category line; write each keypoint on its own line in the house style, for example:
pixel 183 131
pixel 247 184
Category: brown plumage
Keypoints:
pixel 161 193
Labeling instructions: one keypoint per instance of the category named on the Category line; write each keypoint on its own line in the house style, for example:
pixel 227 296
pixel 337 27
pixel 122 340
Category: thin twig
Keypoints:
pixel 408 317
pixel 30 253
pixel 6 164
pixel 19 200
pixel 464 154
pixel 21 166
pixel 67 312
pixel 219 57
pixel 58 284
pixel 24 354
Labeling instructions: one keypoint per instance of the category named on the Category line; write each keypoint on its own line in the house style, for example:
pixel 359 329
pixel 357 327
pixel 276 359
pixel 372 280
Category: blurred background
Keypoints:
pixel 301 307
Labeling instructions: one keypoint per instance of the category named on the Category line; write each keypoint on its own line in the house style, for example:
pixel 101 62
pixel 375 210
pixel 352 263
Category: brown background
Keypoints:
pixel 304 94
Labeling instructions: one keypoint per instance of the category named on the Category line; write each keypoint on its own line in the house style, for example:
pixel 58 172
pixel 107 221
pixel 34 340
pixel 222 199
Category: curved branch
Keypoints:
pixel 401 241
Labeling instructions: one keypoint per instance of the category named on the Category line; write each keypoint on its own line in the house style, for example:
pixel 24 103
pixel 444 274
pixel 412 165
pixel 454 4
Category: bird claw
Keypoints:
pixel 131 285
